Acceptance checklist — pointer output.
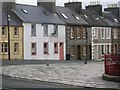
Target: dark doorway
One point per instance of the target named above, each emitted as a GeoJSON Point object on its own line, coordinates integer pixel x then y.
{"type": "Point", "coordinates": [90, 52]}
{"type": "Point", "coordinates": [78, 52]}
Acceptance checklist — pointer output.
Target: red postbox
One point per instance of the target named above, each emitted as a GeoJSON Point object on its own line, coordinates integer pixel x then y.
{"type": "Point", "coordinates": [112, 65]}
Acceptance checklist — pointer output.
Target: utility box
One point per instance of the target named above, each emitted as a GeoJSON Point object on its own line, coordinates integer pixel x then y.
{"type": "Point", "coordinates": [112, 64]}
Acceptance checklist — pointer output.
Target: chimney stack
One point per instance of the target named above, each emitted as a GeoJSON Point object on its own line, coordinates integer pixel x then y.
{"type": "Point", "coordinates": [96, 6]}
{"type": "Point", "coordinates": [50, 5]}
{"type": "Point", "coordinates": [114, 9]}
{"type": "Point", "coordinates": [76, 6]}
{"type": "Point", "coordinates": [7, 6]}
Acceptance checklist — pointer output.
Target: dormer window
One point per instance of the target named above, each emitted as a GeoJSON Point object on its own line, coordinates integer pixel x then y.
{"type": "Point", "coordinates": [76, 17]}
{"type": "Point", "coordinates": [85, 16]}
{"type": "Point", "coordinates": [64, 15]}
{"type": "Point", "coordinates": [45, 13]}
{"type": "Point", "coordinates": [25, 11]}
{"type": "Point", "coordinates": [115, 20]}
{"type": "Point", "coordinates": [96, 17]}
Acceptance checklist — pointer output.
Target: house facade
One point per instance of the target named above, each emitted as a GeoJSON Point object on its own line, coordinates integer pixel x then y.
{"type": "Point", "coordinates": [115, 31]}
{"type": "Point", "coordinates": [76, 31]}
{"type": "Point", "coordinates": [16, 36]}
{"type": "Point", "coordinates": [100, 31]}
{"type": "Point", "coordinates": [44, 33]}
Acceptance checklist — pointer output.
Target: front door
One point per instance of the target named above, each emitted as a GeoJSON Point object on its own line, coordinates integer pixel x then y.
{"type": "Point", "coordinates": [78, 52]}
{"type": "Point", "coordinates": [61, 51]}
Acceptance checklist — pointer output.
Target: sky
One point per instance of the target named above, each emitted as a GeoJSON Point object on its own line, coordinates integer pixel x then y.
{"type": "Point", "coordinates": [61, 2]}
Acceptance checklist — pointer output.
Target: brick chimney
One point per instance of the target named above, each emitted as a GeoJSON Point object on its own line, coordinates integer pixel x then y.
{"type": "Point", "coordinates": [96, 6]}
{"type": "Point", "coordinates": [76, 6]}
{"type": "Point", "coordinates": [114, 9]}
{"type": "Point", "coordinates": [50, 5]}
{"type": "Point", "coordinates": [7, 6]}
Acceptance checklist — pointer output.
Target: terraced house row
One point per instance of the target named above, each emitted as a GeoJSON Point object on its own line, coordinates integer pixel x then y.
{"type": "Point", "coordinates": [50, 32]}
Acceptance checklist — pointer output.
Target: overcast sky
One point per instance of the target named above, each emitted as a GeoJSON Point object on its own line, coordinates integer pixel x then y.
{"type": "Point", "coordinates": [61, 2]}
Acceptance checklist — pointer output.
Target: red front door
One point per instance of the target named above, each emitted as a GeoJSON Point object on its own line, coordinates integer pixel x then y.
{"type": "Point", "coordinates": [61, 54]}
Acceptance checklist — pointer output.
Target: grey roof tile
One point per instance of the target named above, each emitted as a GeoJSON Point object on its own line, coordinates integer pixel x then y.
{"type": "Point", "coordinates": [72, 17]}
{"type": "Point", "coordinates": [93, 18]}
{"type": "Point", "coordinates": [36, 14]}
{"type": "Point", "coordinates": [111, 19]}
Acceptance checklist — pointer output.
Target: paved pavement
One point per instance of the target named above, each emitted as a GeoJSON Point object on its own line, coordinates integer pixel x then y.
{"type": "Point", "coordinates": [12, 83]}
{"type": "Point", "coordinates": [74, 73]}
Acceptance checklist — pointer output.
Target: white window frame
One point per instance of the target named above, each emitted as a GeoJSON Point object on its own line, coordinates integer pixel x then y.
{"type": "Point", "coordinates": [15, 31]}
{"type": "Point", "coordinates": [46, 48]}
{"type": "Point", "coordinates": [16, 47]}
{"type": "Point", "coordinates": [56, 48]}
{"type": "Point", "coordinates": [78, 32]}
{"type": "Point", "coordinates": [84, 33]}
{"type": "Point", "coordinates": [33, 49]}
{"type": "Point", "coordinates": [102, 33]}
{"type": "Point", "coordinates": [108, 33]}
{"type": "Point", "coordinates": [3, 30]}
{"type": "Point", "coordinates": [108, 50]}
{"type": "Point", "coordinates": [56, 30]}
{"type": "Point", "coordinates": [72, 33]}
{"type": "Point", "coordinates": [115, 33]}
{"type": "Point", "coordinates": [3, 48]}
{"type": "Point", "coordinates": [33, 30]}
{"type": "Point", "coordinates": [102, 50]}
{"type": "Point", "coordinates": [95, 33]}
{"type": "Point", "coordinates": [45, 30]}
{"type": "Point", "coordinates": [84, 50]}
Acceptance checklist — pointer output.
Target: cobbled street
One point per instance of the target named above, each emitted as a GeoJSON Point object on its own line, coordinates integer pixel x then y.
{"type": "Point", "coordinates": [78, 74]}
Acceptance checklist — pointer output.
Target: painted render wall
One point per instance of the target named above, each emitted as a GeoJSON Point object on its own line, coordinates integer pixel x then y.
{"type": "Point", "coordinates": [40, 39]}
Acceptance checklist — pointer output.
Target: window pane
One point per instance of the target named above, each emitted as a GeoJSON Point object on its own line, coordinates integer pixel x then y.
{"type": "Point", "coordinates": [33, 48]}
{"type": "Point", "coordinates": [33, 30]}
{"type": "Point", "coordinates": [16, 47]}
{"type": "Point", "coordinates": [55, 47]}
{"type": "Point", "coordinates": [78, 33]}
{"type": "Point", "coordinates": [56, 30]}
{"type": "Point", "coordinates": [3, 30]}
{"type": "Point", "coordinates": [84, 33]}
{"type": "Point", "coordinates": [15, 31]}
{"type": "Point", "coordinates": [45, 28]}
{"type": "Point", "coordinates": [2, 48]}
{"type": "Point", "coordinates": [71, 33]}
{"type": "Point", "coordinates": [6, 47]}
{"type": "Point", "coordinates": [45, 48]}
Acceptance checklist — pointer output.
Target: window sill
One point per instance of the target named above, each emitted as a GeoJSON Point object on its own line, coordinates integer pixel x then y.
{"type": "Point", "coordinates": [16, 53]}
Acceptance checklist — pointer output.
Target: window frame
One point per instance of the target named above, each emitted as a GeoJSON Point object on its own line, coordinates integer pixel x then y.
{"type": "Point", "coordinates": [56, 48]}
{"type": "Point", "coordinates": [16, 32]}
{"type": "Point", "coordinates": [33, 49]}
{"type": "Point", "coordinates": [84, 33]}
{"type": "Point", "coordinates": [103, 33]}
{"type": "Point", "coordinates": [55, 30]}
{"type": "Point", "coordinates": [72, 34]}
{"type": "Point", "coordinates": [16, 47]}
{"type": "Point", "coordinates": [45, 30]}
{"type": "Point", "coordinates": [46, 48]}
{"type": "Point", "coordinates": [33, 30]}
{"type": "Point", "coordinates": [78, 33]}
{"type": "Point", "coordinates": [3, 30]}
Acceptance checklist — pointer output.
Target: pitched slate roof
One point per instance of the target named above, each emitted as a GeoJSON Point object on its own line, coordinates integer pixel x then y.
{"type": "Point", "coordinates": [111, 19]}
{"type": "Point", "coordinates": [36, 14]}
{"type": "Point", "coordinates": [70, 17]}
{"type": "Point", "coordinates": [93, 18]}
{"type": "Point", "coordinates": [14, 20]}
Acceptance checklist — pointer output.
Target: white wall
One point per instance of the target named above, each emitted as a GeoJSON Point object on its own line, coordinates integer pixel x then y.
{"type": "Point", "coordinates": [39, 39]}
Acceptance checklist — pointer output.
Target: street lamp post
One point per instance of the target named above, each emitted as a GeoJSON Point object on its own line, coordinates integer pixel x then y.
{"type": "Point", "coordinates": [8, 20]}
